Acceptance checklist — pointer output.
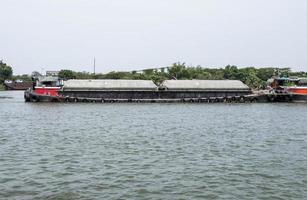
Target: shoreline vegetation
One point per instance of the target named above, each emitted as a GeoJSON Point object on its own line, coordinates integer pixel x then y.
{"type": "Point", "coordinates": [255, 78]}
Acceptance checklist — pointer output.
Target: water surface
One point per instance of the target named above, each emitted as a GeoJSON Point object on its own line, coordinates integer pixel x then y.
{"type": "Point", "coordinates": [151, 151]}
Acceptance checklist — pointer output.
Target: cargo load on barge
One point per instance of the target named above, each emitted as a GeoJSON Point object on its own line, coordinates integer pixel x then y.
{"type": "Point", "coordinates": [52, 90]}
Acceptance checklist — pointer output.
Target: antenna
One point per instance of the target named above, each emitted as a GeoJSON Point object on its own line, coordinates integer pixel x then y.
{"type": "Point", "coordinates": [94, 66]}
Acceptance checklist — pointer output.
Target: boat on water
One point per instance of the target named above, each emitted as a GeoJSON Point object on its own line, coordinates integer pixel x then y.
{"type": "Point", "coordinates": [16, 85]}
{"type": "Point", "coordinates": [44, 89]}
{"type": "Point", "coordinates": [52, 89]}
{"type": "Point", "coordinates": [294, 87]}
{"type": "Point", "coordinates": [300, 88]}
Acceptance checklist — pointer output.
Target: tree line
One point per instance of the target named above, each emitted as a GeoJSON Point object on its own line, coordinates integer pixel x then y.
{"type": "Point", "coordinates": [6, 73]}
{"type": "Point", "coordinates": [254, 77]}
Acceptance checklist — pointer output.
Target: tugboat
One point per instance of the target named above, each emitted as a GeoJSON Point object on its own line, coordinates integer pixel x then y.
{"type": "Point", "coordinates": [300, 88]}
{"type": "Point", "coordinates": [44, 89]}
{"type": "Point", "coordinates": [293, 87]}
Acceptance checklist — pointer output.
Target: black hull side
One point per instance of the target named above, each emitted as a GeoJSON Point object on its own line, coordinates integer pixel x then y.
{"type": "Point", "coordinates": [299, 98]}
{"type": "Point", "coordinates": [152, 94]}
{"type": "Point", "coordinates": [163, 96]}
{"type": "Point", "coordinates": [30, 96]}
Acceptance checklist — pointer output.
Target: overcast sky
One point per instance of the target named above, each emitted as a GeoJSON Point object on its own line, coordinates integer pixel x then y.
{"type": "Point", "coordinates": [136, 34]}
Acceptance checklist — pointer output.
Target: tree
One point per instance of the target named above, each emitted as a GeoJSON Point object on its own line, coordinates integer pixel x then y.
{"type": "Point", "coordinates": [253, 77]}
{"type": "Point", "coordinates": [115, 75]}
{"type": "Point", "coordinates": [203, 76]}
{"type": "Point", "coordinates": [67, 74]}
{"type": "Point", "coordinates": [23, 77]}
{"type": "Point", "coordinates": [148, 72]}
{"type": "Point", "coordinates": [6, 72]}
{"type": "Point", "coordinates": [175, 71]}
{"type": "Point", "coordinates": [249, 77]}
{"type": "Point", "coordinates": [283, 72]}
{"type": "Point", "coordinates": [158, 77]}
{"type": "Point", "coordinates": [231, 72]}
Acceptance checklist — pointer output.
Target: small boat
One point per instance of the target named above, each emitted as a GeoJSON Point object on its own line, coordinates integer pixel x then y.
{"type": "Point", "coordinates": [293, 86]}
{"type": "Point", "coordinates": [300, 87]}
{"type": "Point", "coordinates": [301, 90]}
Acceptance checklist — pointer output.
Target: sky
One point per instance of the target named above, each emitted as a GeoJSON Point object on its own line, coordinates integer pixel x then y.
{"type": "Point", "coordinates": [125, 35]}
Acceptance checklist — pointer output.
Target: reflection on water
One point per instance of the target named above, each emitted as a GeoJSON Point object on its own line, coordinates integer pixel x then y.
{"type": "Point", "coordinates": [157, 151]}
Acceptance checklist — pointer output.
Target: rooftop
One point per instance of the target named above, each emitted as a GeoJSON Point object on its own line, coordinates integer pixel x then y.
{"type": "Point", "coordinates": [48, 79]}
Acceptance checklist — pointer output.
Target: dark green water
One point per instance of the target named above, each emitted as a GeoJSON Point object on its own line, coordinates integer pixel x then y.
{"type": "Point", "coordinates": [152, 151]}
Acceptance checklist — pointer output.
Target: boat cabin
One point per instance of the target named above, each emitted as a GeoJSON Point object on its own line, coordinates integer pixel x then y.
{"type": "Point", "coordinates": [288, 85]}
{"type": "Point", "coordinates": [48, 86]}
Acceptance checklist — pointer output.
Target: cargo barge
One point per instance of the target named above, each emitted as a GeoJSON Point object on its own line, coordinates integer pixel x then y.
{"type": "Point", "coordinates": [51, 89]}
{"type": "Point", "coordinates": [17, 85]}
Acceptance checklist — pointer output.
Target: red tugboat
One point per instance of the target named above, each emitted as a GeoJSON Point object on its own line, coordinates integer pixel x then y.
{"type": "Point", "coordinates": [294, 87]}
{"type": "Point", "coordinates": [300, 88]}
{"type": "Point", "coordinates": [45, 89]}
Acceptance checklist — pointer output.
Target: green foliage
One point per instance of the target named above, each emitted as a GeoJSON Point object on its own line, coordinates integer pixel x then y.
{"type": "Point", "coordinates": [178, 71]}
{"type": "Point", "coordinates": [299, 74]}
{"type": "Point", "coordinates": [266, 73]}
{"type": "Point", "coordinates": [24, 77]}
{"type": "Point", "coordinates": [2, 87]}
{"type": "Point", "coordinates": [67, 74]}
{"type": "Point", "coordinates": [253, 77]}
{"type": "Point", "coordinates": [249, 77]}
{"type": "Point", "coordinates": [158, 77]}
{"type": "Point", "coordinates": [289, 84]}
{"type": "Point", "coordinates": [231, 72]}
{"type": "Point", "coordinates": [6, 72]}
{"type": "Point", "coordinates": [118, 75]}
{"type": "Point", "coordinates": [283, 72]}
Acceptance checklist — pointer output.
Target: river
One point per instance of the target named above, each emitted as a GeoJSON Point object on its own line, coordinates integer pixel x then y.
{"type": "Point", "coordinates": [151, 151]}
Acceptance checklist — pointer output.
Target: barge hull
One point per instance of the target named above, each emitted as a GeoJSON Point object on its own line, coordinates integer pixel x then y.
{"type": "Point", "coordinates": [297, 98]}
{"type": "Point", "coordinates": [31, 96]}
{"type": "Point", "coordinates": [118, 95]}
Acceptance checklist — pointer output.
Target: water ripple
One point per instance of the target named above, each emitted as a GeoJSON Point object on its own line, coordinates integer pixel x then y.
{"type": "Point", "coordinates": [152, 151]}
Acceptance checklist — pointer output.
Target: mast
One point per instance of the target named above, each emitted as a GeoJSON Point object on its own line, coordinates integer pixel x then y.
{"type": "Point", "coordinates": [94, 66]}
